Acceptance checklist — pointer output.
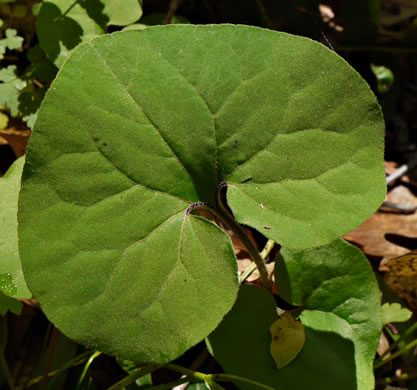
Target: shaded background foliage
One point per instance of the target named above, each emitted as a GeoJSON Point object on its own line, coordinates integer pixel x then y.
{"type": "Point", "coordinates": [378, 38]}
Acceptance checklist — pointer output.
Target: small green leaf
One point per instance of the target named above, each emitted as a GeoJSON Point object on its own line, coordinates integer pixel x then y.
{"type": "Point", "coordinates": [10, 87]}
{"type": "Point", "coordinates": [122, 12]}
{"type": "Point", "coordinates": [394, 312]}
{"type": "Point", "coordinates": [12, 41]}
{"type": "Point", "coordinates": [288, 338]}
{"type": "Point", "coordinates": [384, 76]}
{"type": "Point", "coordinates": [9, 252]}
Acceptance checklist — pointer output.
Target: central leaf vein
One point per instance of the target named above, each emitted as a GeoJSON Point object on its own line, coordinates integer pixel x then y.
{"type": "Point", "coordinates": [212, 115]}
{"type": "Point", "coordinates": [136, 103]}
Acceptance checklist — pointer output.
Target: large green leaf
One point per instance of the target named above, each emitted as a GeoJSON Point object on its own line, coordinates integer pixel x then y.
{"type": "Point", "coordinates": [338, 291]}
{"type": "Point", "coordinates": [9, 251]}
{"type": "Point", "coordinates": [138, 126]}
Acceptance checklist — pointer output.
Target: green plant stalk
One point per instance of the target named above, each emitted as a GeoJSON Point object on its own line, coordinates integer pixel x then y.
{"type": "Point", "coordinates": [229, 378]}
{"type": "Point", "coordinates": [250, 246]}
{"type": "Point", "coordinates": [210, 378]}
{"type": "Point", "coordinates": [136, 375]}
{"type": "Point", "coordinates": [196, 375]}
{"type": "Point", "coordinates": [240, 233]}
{"type": "Point", "coordinates": [215, 386]}
{"type": "Point", "coordinates": [396, 354]}
{"type": "Point", "coordinates": [264, 254]}
{"type": "Point", "coordinates": [221, 213]}
{"type": "Point", "coordinates": [73, 362]}
{"type": "Point", "coordinates": [86, 367]}
{"type": "Point", "coordinates": [170, 385]}
{"type": "Point", "coordinates": [410, 330]}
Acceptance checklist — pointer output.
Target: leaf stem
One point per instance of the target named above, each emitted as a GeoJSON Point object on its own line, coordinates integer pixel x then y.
{"type": "Point", "coordinates": [135, 375]}
{"type": "Point", "coordinates": [264, 254]}
{"type": "Point", "coordinates": [228, 378]}
{"type": "Point", "coordinates": [250, 246]}
{"type": "Point", "coordinates": [173, 6]}
{"type": "Point", "coordinates": [212, 378]}
{"type": "Point", "coordinates": [86, 367]}
{"type": "Point", "coordinates": [410, 330]}
{"type": "Point", "coordinates": [170, 385]}
{"type": "Point", "coordinates": [396, 354]}
{"type": "Point", "coordinates": [186, 371]}
{"type": "Point", "coordinates": [221, 213]}
{"type": "Point", "coordinates": [240, 233]}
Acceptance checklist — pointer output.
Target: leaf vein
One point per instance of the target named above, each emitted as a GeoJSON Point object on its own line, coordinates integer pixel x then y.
{"type": "Point", "coordinates": [136, 103]}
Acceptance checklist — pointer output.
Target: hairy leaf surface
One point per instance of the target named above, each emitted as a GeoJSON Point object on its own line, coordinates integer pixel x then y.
{"type": "Point", "coordinates": [138, 126]}
{"type": "Point", "coordinates": [9, 251]}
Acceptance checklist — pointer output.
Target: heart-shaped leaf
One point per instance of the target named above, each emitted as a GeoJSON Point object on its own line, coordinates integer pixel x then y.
{"type": "Point", "coordinates": [337, 279]}
{"type": "Point", "coordinates": [337, 288]}
{"type": "Point", "coordinates": [138, 126]}
{"type": "Point", "coordinates": [241, 345]}
{"type": "Point", "coordinates": [9, 252]}
{"type": "Point", "coordinates": [61, 25]}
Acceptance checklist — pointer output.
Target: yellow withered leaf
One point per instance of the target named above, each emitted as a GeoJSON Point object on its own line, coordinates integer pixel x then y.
{"type": "Point", "coordinates": [288, 338]}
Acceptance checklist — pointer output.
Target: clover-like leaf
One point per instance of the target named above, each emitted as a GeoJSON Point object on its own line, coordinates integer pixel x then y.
{"type": "Point", "coordinates": [11, 41]}
{"type": "Point", "coordinates": [394, 312]}
{"type": "Point", "coordinates": [139, 126]}
{"type": "Point", "coordinates": [11, 273]}
{"type": "Point", "coordinates": [10, 87]}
